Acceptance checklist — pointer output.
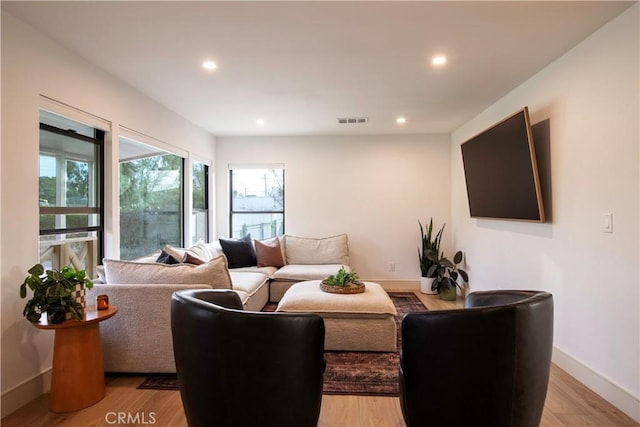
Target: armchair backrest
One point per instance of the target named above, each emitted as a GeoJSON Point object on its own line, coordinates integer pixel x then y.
{"type": "Point", "coordinates": [485, 365]}
{"type": "Point", "coordinates": [241, 368]}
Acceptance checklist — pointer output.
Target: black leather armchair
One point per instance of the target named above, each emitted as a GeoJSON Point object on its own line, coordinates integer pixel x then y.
{"type": "Point", "coordinates": [485, 365]}
{"type": "Point", "coordinates": [241, 368]}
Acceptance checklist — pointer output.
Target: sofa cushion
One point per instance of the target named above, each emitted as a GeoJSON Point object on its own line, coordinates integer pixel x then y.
{"type": "Point", "coordinates": [215, 249]}
{"type": "Point", "coordinates": [246, 282]}
{"type": "Point", "coordinates": [267, 271]}
{"type": "Point", "coordinates": [213, 273]}
{"type": "Point", "coordinates": [300, 272]}
{"type": "Point", "coordinates": [243, 296]}
{"type": "Point", "coordinates": [269, 253]}
{"type": "Point", "coordinates": [165, 258]}
{"type": "Point", "coordinates": [192, 259]}
{"type": "Point", "coordinates": [199, 251]}
{"type": "Point", "coordinates": [239, 252]}
{"type": "Point", "coordinates": [305, 250]}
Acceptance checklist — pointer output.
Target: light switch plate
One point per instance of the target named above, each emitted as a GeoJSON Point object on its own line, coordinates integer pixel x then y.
{"type": "Point", "coordinates": [607, 222]}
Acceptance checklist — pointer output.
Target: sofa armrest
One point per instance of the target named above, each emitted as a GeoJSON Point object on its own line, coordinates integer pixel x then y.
{"type": "Point", "coordinates": [138, 337]}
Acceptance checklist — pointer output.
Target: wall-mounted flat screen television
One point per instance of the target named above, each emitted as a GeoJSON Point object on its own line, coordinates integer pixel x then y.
{"type": "Point", "coordinates": [501, 171]}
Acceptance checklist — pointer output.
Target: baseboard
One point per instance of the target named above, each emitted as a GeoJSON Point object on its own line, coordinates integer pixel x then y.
{"type": "Point", "coordinates": [23, 393]}
{"type": "Point", "coordinates": [622, 399]}
{"type": "Point", "coordinates": [398, 285]}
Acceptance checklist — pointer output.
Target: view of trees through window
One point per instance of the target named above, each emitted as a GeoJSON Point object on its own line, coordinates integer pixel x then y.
{"type": "Point", "coordinates": [76, 192]}
{"type": "Point", "coordinates": [150, 203]}
{"type": "Point", "coordinates": [257, 202]}
{"type": "Point", "coordinates": [70, 194]}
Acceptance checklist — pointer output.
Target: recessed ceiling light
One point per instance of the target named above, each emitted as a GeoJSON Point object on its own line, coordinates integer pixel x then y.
{"type": "Point", "coordinates": [209, 65]}
{"type": "Point", "coordinates": [439, 60]}
{"type": "Point", "coordinates": [401, 120]}
{"type": "Point", "coordinates": [260, 121]}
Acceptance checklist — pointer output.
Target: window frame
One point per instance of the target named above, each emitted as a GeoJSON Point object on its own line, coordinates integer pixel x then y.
{"type": "Point", "coordinates": [165, 149]}
{"type": "Point", "coordinates": [207, 200]}
{"type": "Point", "coordinates": [233, 212]}
{"type": "Point", "coordinates": [99, 141]}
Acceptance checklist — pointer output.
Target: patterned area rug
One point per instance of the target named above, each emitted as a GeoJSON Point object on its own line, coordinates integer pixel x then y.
{"type": "Point", "coordinates": [347, 372]}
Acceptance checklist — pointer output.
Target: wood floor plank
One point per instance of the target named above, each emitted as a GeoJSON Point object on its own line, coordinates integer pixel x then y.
{"type": "Point", "coordinates": [380, 411]}
{"type": "Point", "coordinates": [339, 411]}
{"type": "Point", "coordinates": [549, 419]}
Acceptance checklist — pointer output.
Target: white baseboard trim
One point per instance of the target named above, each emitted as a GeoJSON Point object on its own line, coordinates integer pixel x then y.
{"type": "Point", "coordinates": [23, 393]}
{"type": "Point", "coordinates": [619, 397]}
{"type": "Point", "coordinates": [398, 285]}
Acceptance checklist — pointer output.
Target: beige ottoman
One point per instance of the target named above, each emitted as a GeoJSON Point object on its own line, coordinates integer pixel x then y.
{"type": "Point", "coordinates": [353, 322]}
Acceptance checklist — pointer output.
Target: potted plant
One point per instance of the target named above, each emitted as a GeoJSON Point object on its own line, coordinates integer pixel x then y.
{"type": "Point", "coordinates": [446, 274]}
{"type": "Point", "coordinates": [54, 293]}
{"type": "Point", "coordinates": [343, 282]}
{"type": "Point", "coordinates": [429, 243]}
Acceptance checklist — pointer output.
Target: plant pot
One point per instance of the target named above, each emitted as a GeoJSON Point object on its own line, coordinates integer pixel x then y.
{"type": "Point", "coordinates": [425, 285]}
{"type": "Point", "coordinates": [58, 317]}
{"type": "Point", "coordinates": [448, 294]}
{"type": "Point", "coordinates": [80, 293]}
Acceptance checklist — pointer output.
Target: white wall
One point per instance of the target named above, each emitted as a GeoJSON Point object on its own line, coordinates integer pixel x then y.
{"type": "Point", "coordinates": [374, 188]}
{"type": "Point", "coordinates": [33, 65]}
{"type": "Point", "coordinates": [590, 95]}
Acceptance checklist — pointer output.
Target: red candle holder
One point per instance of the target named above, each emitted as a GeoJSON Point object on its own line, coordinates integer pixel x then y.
{"type": "Point", "coordinates": [102, 301]}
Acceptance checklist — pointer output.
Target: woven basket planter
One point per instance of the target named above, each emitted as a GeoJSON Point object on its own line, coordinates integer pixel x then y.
{"type": "Point", "coordinates": [349, 288]}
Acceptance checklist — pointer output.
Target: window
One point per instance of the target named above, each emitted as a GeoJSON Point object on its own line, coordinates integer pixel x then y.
{"type": "Point", "coordinates": [257, 202]}
{"type": "Point", "coordinates": [200, 210]}
{"type": "Point", "coordinates": [70, 193]}
{"type": "Point", "coordinates": [151, 187]}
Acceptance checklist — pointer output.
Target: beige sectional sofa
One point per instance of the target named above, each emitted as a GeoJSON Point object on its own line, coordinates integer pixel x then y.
{"type": "Point", "coordinates": [138, 337]}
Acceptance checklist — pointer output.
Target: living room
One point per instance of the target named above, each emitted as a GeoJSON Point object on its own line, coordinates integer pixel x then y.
{"type": "Point", "coordinates": [382, 184]}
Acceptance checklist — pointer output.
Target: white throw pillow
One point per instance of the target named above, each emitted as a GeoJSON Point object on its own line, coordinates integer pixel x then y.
{"type": "Point", "coordinates": [306, 251]}
{"type": "Point", "coordinates": [213, 273]}
{"type": "Point", "coordinates": [199, 250]}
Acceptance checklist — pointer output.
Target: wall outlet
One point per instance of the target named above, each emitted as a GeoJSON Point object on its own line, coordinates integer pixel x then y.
{"type": "Point", "coordinates": [392, 267]}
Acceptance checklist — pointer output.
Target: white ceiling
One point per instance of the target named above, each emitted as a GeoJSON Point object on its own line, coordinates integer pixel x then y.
{"type": "Point", "coordinates": [302, 65]}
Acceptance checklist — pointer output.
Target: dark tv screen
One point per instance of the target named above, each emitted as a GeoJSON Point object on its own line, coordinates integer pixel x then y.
{"type": "Point", "coordinates": [501, 171]}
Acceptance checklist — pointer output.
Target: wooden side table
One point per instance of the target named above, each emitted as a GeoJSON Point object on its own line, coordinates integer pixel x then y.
{"type": "Point", "coordinates": [78, 369]}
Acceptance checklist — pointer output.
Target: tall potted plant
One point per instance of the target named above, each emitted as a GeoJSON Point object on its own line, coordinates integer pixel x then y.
{"type": "Point", "coordinates": [54, 293]}
{"type": "Point", "coordinates": [446, 274]}
{"type": "Point", "coordinates": [429, 242]}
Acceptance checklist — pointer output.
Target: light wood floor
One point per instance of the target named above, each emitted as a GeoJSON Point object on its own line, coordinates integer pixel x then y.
{"type": "Point", "coordinates": [568, 403]}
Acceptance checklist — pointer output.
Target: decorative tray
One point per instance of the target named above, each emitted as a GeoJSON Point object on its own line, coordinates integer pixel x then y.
{"type": "Point", "coordinates": [350, 288]}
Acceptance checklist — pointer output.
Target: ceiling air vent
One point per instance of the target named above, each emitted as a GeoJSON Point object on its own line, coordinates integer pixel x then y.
{"type": "Point", "coordinates": [352, 120]}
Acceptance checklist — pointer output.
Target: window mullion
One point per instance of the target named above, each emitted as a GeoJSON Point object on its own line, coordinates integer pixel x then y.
{"type": "Point", "coordinates": [61, 189]}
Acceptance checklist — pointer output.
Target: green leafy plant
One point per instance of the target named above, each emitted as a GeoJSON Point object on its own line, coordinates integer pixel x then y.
{"type": "Point", "coordinates": [53, 293]}
{"type": "Point", "coordinates": [446, 273]}
{"type": "Point", "coordinates": [342, 278]}
{"type": "Point", "coordinates": [429, 243]}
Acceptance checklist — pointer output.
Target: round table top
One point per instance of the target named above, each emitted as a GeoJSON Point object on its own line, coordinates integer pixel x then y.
{"type": "Point", "coordinates": [91, 315]}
